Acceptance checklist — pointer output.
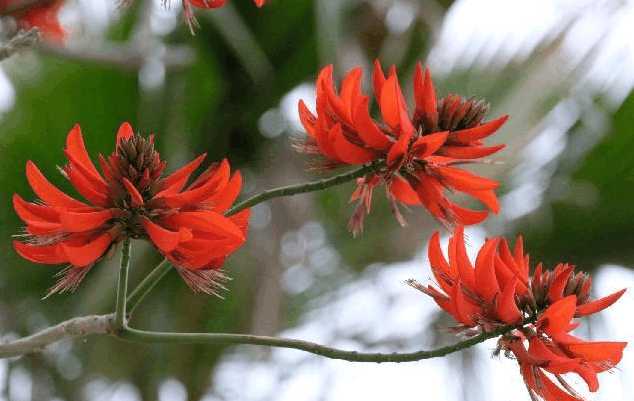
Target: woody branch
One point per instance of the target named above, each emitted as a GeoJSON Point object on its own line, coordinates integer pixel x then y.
{"type": "Point", "coordinates": [105, 325]}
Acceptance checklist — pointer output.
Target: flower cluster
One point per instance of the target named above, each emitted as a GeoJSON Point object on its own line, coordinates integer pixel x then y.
{"type": "Point", "coordinates": [497, 290]}
{"type": "Point", "coordinates": [43, 16]}
{"type": "Point", "coordinates": [132, 198]}
{"type": "Point", "coordinates": [420, 151]}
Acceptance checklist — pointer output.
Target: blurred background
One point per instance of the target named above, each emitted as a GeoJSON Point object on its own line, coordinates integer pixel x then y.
{"type": "Point", "coordinates": [563, 70]}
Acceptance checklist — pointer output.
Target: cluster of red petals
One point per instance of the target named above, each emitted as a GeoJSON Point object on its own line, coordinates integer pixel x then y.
{"type": "Point", "coordinates": [497, 290]}
{"type": "Point", "coordinates": [131, 198]}
{"type": "Point", "coordinates": [43, 16]}
{"type": "Point", "coordinates": [421, 150]}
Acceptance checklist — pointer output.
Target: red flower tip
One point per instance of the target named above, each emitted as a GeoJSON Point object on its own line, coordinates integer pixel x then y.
{"type": "Point", "coordinates": [421, 151]}
{"type": "Point", "coordinates": [131, 198]}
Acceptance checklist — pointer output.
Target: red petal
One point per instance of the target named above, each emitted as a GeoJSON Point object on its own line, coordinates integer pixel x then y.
{"type": "Point", "coordinates": [469, 152]}
{"type": "Point", "coordinates": [398, 150]}
{"type": "Point", "coordinates": [241, 219]}
{"type": "Point", "coordinates": [550, 391]}
{"type": "Point", "coordinates": [461, 259]}
{"type": "Point", "coordinates": [351, 90]}
{"type": "Point", "coordinates": [125, 132]}
{"type": "Point", "coordinates": [465, 311]}
{"type": "Point", "coordinates": [347, 151]}
{"type": "Point", "coordinates": [47, 191]}
{"type": "Point", "coordinates": [598, 305]}
{"type": "Point", "coordinates": [425, 96]}
{"type": "Point", "coordinates": [164, 239]}
{"type": "Point", "coordinates": [44, 254]}
{"type": "Point", "coordinates": [378, 79]}
{"type": "Point", "coordinates": [225, 198]}
{"type": "Point", "coordinates": [476, 133]}
{"type": "Point", "coordinates": [604, 355]}
{"type": "Point", "coordinates": [507, 309]}
{"type": "Point", "coordinates": [86, 187]}
{"type": "Point", "coordinates": [439, 265]}
{"type": "Point", "coordinates": [485, 281]}
{"type": "Point", "coordinates": [557, 287]}
{"type": "Point", "coordinates": [206, 221]}
{"type": "Point", "coordinates": [135, 196]}
{"type": "Point", "coordinates": [465, 216]}
{"type": "Point", "coordinates": [33, 213]}
{"type": "Point", "coordinates": [393, 109]}
{"type": "Point", "coordinates": [427, 145]}
{"type": "Point", "coordinates": [307, 118]}
{"type": "Point", "coordinates": [556, 318]}
{"type": "Point", "coordinates": [367, 129]}
{"type": "Point", "coordinates": [403, 191]}
{"type": "Point", "coordinates": [76, 149]}
{"type": "Point", "coordinates": [177, 180]}
{"type": "Point", "coordinates": [78, 222]}
{"type": "Point", "coordinates": [87, 254]}
{"type": "Point", "coordinates": [463, 180]}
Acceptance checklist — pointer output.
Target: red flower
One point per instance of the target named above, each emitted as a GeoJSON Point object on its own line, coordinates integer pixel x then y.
{"type": "Point", "coordinates": [420, 150]}
{"type": "Point", "coordinates": [208, 4]}
{"type": "Point", "coordinates": [43, 16]}
{"type": "Point", "coordinates": [497, 291]}
{"type": "Point", "coordinates": [132, 199]}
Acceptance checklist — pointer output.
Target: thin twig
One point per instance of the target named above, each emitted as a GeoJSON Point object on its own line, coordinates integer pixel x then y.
{"type": "Point", "coordinates": [142, 336]}
{"type": "Point", "coordinates": [21, 41]}
{"type": "Point", "coordinates": [148, 283]}
{"type": "Point", "coordinates": [73, 328]}
{"type": "Point", "coordinates": [303, 188]}
{"type": "Point", "coordinates": [122, 286]}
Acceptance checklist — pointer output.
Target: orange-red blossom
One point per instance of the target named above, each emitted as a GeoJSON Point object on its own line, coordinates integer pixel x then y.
{"type": "Point", "coordinates": [498, 290]}
{"type": "Point", "coordinates": [131, 198]}
{"type": "Point", "coordinates": [423, 150]}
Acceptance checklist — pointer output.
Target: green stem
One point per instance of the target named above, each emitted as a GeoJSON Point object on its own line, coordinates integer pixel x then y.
{"type": "Point", "coordinates": [148, 283]}
{"type": "Point", "coordinates": [122, 286]}
{"type": "Point", "coordinates": [159, 272]}
{"type": "Point", "coordinates": [303, 188]}
{"type": "Point", "coordinates": [143, 336]}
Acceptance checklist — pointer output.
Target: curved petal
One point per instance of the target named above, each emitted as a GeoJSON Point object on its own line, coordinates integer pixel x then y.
{"type": "Point", "coordinates": [598, 305]}
{"type": "Point", "coordinates": [348, 152]}
{"type": "Point", "coordinates": [223, 200]}
{"type": "Point", "coordinates": [427, 145]}
{"type": "Point", "coordinates": [76, 222]}
{"type": "Point", "coordinates": [476, 133]}
{"type": "Point", "coordinates": [401, 189]}
{"type": "Point", "coordinates": [43, 254]}
{"type": "Point", "coordinates": [177, 180]}
{"type": "Point", "coordinates": [88, 253]}
{"type": "Point", "coordinates": [367, 129]}
{"type": "Point", "coordinates": [46, 191]}
{"type": "Point", "coordinates": [507, 309]}
{"type": "Point", "coordinates": [463, 180]}
{"type": "Point", "coordinates": [469, 152]}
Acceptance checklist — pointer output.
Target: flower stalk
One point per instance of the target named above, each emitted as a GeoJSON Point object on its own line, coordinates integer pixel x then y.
{"type": "Point", "coordinates": [122, 287]}
{"type": "Point", "coordinates": [313, 186]}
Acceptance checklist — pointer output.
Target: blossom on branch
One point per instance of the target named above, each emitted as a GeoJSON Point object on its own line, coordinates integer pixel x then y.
{"type": "Point", "coordinates": [42, 15]}
{"type": "Point", "coordinates": [422, 151]}
{"type": "Point", "coordinates": [131, 198]}
{"type": "Point", "coordinates": [498, 290]}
